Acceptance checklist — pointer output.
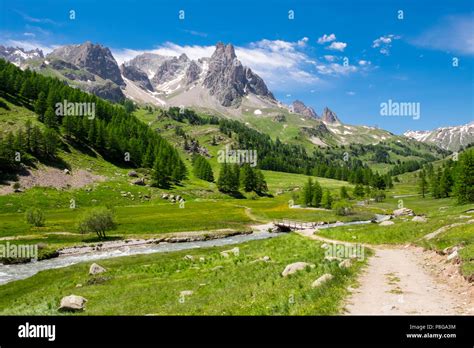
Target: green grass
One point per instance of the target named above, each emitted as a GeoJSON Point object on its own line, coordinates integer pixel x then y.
{"type": "Point", "coordinates": [404, 230]}
{"type": "Point", "coordinates": [151, 284]}
{"type": "Point", "coordinates": [15, 117]}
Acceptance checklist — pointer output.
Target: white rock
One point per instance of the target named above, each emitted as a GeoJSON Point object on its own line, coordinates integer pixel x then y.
{"type": "Point", "coordinates": [453, 255]}
{"type": "Point", "coordinates": [403, 211]}
{"type": "Point", "coordinates": [295, 267]}
{"type": "Point", "coordinates": [96, 269]}
{"type": "Point", "coordinates": [235, 251]}
{"type": "Point", "coordinates": [419, 219]}
{"type": "Point", "coordinates": [321, 280]}
{"type": "Point", "coordinates": [186, 293]}
{"type": "Point", "coordinates": [386, 223]}
{"type": "Point", "coordinates": [72, 303]}
{"type": "Point", "coordinates": [189, 257]}
{"type": "Point", "coordinates": [345, 264]}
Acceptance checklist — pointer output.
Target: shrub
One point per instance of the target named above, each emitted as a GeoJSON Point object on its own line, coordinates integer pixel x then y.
{"type": "Point", "coordinates": [98, 220]}
{"type": "Point", "coordinates": [35, 217]}
{"type": "Point", "coordinates": [378, 195]}
{"type": "Point", "coordinates": [342, 208]}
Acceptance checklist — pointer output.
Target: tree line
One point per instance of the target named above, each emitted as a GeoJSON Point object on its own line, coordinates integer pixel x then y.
{"type": "Point", "coordinates": [113, 131]}
{"type": "Point", "coordinates": [232, 177]}
{"type": "Point", "coordinates": [452, 179]}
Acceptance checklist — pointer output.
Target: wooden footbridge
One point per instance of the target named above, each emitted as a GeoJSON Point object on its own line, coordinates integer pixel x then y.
{"type": "Point", "coordinates": [291, 225]}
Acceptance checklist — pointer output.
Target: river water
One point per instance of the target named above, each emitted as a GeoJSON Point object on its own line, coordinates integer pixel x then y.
{"type": "Point", "coordinates": [9, 273]}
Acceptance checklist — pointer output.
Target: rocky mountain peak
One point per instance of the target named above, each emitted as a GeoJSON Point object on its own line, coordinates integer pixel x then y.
{"type": "Point", "coordinates": [183, 58]}
{"type": "Point", "coordinates": [192, 72]}
{"type": "Point", "coordinates": [229, 81]}
{"type": "Point", "coordinates": [300, 108]}
{"type": "Point", "coordinates": [134, 74]}
{"type": "Point", "coordinates": [95, 58]}
{"type": "Point", "coordinates": [329, 116]}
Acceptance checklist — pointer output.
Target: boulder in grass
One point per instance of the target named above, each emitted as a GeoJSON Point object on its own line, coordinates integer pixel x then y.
{"type": "Point", "coordinates": [189, 257]}
{"type": "Point", "coordinates": [295, 267]}
{"type": "Point", "coordinates": [96, 269]}
{"type": "Point", "coordinates": [345, 264]}
{"type": "Point", "coordinates": [139, 182]}
{"type": "Point", "coordinates": [132, 174]}
{"type": "Point", "coordinates": [72, 303]}
{"type": "Point", "coordinates": [262, 259]}
{"type": "Point", "coordinates": [321, 280]}
{"type": "Point", "coordinates": [419, 219]}
{"type": "Point", "coordinates": [235, 251]}
{"type": "Point", "coordinates": [403, 212]}
{"type": "Point", "coordinates": [386, 223]}
{"type": "Point", "coordinates": [186, 293]}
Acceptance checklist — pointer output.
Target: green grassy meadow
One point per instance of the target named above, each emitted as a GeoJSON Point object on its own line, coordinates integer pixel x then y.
{"type": "Point", "coordinates": [152, 284]}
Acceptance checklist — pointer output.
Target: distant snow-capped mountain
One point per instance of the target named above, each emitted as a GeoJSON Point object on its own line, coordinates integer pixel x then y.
{"type": "Point", "coordinates": [449, 138]}
{"type": "Point", "coordinates": [18, 55]}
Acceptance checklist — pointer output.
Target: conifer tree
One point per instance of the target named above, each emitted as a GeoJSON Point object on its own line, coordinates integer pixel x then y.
{"type": "Point", "coordinates": [248, 178]}
{"type": "Point", "coordinates": [317, 194]}
{"type": "Point", "coordinates": [40, 106]}
{"type": "Point", "coordinates": [50, 118]}
{"type": "Point", "coordinates": [308, 192]}
{"type": "Point", "coordinates": [464, 183]}
{"type": "Point", "coordinates": [326, 200]}
{"type": "Point", "coordinates": [422, 183]}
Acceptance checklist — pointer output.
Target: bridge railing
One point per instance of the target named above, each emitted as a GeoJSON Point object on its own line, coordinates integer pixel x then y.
{"type": "Point", "coordinates": [293, 224]}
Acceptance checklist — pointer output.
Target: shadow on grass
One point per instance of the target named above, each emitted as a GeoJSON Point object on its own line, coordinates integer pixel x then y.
{"type": "Point", "coordinates": [17, 100]}
{"type": "Point", "coordinates": [99, 240]}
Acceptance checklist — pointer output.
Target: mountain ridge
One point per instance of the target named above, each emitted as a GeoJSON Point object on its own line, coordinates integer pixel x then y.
{"type": "Point", "coordinates": [450, 138]}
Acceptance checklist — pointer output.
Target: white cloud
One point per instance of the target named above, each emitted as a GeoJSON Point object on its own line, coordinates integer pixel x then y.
{"type": "Point", "coordinates": [351, 93]}
{"type": "Point", "coordinates": [29, 34]}
{"type": "Point", "coordinates": [31, 19]}
{"type": "Point", "coordinates": [337, 46]}
{"type": "Point", "coordinates": [336, 69]}
{"type": "Point", "coordinates": [452, 34]}
{"type": "Point", "coordinates": [303, 41]}
{"type": "Point", "coordinates": [330, 58]}
{"type": "Point", "coordinates": [167, 49]}
{"type": "Point", "coordinates": [385, 51]}
{"type": "Point", "coordinates": [192, 51]}
{"type": "Point", "coordinates": [195, 33]}
{"type": "Point", "coordinates": [326, 38]}
{"type": "Point", "coordinates": [384, 43]}
{"type": "Point", "coordinates": [363, 62]}
{"type": "Point", "coordinates": [31, 45]}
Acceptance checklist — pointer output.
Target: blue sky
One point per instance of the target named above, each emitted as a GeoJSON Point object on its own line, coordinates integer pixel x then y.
{"type": "Point", "coordinates": [405, 60]}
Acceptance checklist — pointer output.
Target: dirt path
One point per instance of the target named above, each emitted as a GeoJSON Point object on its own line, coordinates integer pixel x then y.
{"type": "Point", "coordinates": [407, 280]}
{"type": "Point", "coordinates": [52, 177]}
